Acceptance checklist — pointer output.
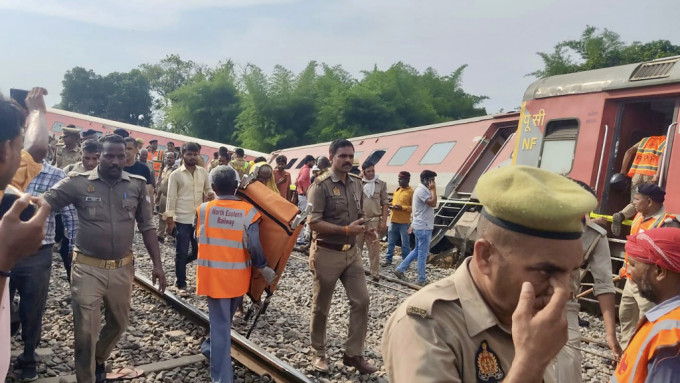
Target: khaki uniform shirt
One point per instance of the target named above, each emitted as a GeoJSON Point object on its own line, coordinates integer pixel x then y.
{"type": "Point", "coordinates": [373, 205]}
{"type": "Point", "coordinates": [446, 333]}
{"type": "Point", "coordinates": [240, 165]}
{"type": "Point", "coordinates": [335, 202]}
{"type": "Point", "coordinates": [598, 261]}
{"type": "Point", "coordinates": [77, 167]}
{"type": "Point", "coordinates": [106, 213]}
{"type": "Point", "coordinates": [66, 157]}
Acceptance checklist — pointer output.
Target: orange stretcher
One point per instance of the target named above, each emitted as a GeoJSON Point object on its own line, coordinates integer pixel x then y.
{"type": "Point", "coordinates": [280, 226]}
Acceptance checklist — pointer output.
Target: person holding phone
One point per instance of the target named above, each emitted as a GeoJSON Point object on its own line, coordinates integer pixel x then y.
{"type": "Point", "coordinates": [336, 220]}
{"type": "Point", "coordinates": [424, 202]}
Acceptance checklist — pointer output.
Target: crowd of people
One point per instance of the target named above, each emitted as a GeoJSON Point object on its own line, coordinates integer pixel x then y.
{"type": "Point", "coordinates": [509, 313]}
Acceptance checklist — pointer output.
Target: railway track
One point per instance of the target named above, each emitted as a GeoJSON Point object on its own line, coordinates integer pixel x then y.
{"type": "Point", "coordinates": [244, 351]}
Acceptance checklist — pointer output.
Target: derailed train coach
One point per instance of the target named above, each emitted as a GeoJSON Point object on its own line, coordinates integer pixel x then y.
{"type": "Point", "coordinates": [57, 119]}
{"type": "Point", "coordinates": [581, 125]}
{"type": "Point", "coordinates": [459, 151]}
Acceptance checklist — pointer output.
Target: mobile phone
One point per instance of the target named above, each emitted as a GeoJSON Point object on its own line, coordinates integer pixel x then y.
{"type": "Point", "coordinates": [19, 95]}
{"type": "Point", "coordinates": [7, 202]}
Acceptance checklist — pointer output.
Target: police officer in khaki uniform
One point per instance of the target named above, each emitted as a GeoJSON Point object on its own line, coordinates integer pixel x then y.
{"type": "Point", "coordinates": [597, 259]}
{"type": "Point", "coordinates": [70, 152]}
{"type": "Point", "coordinates": [336, 220]}
{"type": "Point", "coordinates": [108, 201]}
{"type": "Point", "coordinates": [502, 315]}
{"type": "Point", "coordinates": [376, 209]}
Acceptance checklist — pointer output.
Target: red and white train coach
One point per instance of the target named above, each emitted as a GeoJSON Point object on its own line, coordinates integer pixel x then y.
{"type": "Point", "coordinates": [57, 119]}
{"type": "Point", "coordinates": [451, 149]}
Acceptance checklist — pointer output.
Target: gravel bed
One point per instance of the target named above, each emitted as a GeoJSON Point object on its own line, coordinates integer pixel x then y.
{"type": "Point", "coordinates": [148, 339]}
{"type": "Point", "coordinates": [284, 329]}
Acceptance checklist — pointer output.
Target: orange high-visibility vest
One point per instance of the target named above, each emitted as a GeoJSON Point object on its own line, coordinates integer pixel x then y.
{"type": "Point", "coordinates": [648, 339]}
{"type": "Point", "coordinates": [640, 225]}
{"type": "Point", "coordinates": [157, 161]}
{"type": "Point", "coordinates": [647, 156]}
{"type": "Point", "coordinates": [223, 265]}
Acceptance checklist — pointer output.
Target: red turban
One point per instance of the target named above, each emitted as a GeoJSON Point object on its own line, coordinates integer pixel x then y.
{"type": "Point", "coordinates": [656, 246]}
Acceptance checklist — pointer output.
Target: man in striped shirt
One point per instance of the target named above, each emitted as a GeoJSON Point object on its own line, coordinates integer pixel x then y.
{"type": "Point", "coordinates": [31, 275]}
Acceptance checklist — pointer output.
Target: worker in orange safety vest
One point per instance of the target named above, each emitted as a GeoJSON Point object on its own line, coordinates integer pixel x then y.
{"type": "Point", "coordinates": [646, 157]}
{"type": "Point", "coordinates": [227, 231]}
{"type": "Point", "coordinates": [652, 354]}
{"type": "Point", "coordinates": [648, 202]}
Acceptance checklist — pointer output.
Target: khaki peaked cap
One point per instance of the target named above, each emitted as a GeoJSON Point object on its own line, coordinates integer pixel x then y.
{"type": "Point", "coordinates": [534, 201]}
{"type": "Point", "coordinates": [70, 131]}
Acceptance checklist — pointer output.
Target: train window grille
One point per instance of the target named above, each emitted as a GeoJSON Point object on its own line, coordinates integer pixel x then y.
{"type": "Point", "coordinates": [290, 163]}
{"type": "Point", "coordinates": [375, 157]}
{"type": "Point", "coordinates": [652, 70]}
{"type": "Point", "coordinates": [437, 153]}
{"type": "Point", "coordinates": [559, 145]}
{"type": "Point", "coordinates": [402, 155]}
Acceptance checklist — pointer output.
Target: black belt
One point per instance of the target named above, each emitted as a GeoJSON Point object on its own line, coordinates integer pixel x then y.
{"type": "Point", "coordinates": [335, 246]}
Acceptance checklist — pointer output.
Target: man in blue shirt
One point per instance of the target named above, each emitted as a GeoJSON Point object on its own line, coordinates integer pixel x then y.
{"type": "Point", "coordinates": [424, 202]}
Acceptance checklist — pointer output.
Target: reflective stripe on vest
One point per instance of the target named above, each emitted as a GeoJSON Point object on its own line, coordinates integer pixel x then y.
{"type": "Point", "coordinates": [639, 226]}
{"type": "Point", "coordinates": [647, 157]}
{"type": "Point", "coordinates": [648, 338]}
{"type": "Point", "coordinates": [221, 229]}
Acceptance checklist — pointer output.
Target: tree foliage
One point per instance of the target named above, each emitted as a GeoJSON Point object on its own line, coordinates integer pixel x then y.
{"type": "Point", "coordinates": [600, 49]}
{"type": "Point", "coordinates": [264, 111]}
{"type": "Point", "coordinates": [117, 96]}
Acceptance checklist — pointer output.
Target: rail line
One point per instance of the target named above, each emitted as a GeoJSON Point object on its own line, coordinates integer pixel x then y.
{"type": "Point", "coordinates": [250, 355]}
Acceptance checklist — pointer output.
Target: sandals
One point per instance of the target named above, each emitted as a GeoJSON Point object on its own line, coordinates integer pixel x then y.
{"type": "Point", "coordinates": [124, 373]}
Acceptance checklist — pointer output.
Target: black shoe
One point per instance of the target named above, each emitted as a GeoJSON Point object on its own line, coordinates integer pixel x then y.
{"type": "Point", "coordinates": [161, 239]}
{"type": "Point", "coordinates": [100, 373]}
{"type": "Point", "coordinates": [29, 374]}
{"type": "Point", "coordinates": [386, 263]}
{"type": "Point", "coordinates": [583, 322]}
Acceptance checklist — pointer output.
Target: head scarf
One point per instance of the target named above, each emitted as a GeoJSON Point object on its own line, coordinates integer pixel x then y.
{"type": "Point", "coordinates": [656, 246]}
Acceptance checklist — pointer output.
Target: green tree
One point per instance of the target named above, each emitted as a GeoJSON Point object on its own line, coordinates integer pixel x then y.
{"type": "Point", "coordinates": [118, 96]}
{"type": "Point", "coordinates": [206, 108]}
{"type": "Point", "coordinates": [129, 99]}
{"type": "Point", "coordinates": [600, 49]}
{"type": "Point", "coordinates": [84, 92]}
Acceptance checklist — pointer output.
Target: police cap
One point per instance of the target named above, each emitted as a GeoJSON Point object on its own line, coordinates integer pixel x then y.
{"type": "Point", "coordinates": [153, 140]}
{"type": "Point", "coordinates": [534, 201]}
{"type": "Point", "coordinates": [70, 132]}
{"type": "Point", "coordinates": [88, 132]}
{"type": "Point", "coordinates": [653, 191]}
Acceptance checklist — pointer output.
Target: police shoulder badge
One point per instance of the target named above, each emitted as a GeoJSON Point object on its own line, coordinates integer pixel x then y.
{"type": "Point", "coordinates": [487, 365]}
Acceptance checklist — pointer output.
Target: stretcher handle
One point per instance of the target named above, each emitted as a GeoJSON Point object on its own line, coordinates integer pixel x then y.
{"type": "Point", "coordinates": [261, 311]}
{"type": "Point", "coordinates": [590, 290]}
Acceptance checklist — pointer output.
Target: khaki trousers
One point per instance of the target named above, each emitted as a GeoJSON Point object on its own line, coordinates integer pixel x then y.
{"type": "Point", "coordinates": [631, 309]}
{"type": "Point", "coordinates": [568, 362]}
{"type": "Point", "coordinates": [90, 286]}
{"type": "Point", "coordinates": [160, 229]}
{"type": "Point", "coordinates": [327, 267]}
{"type": "Point", "coordinates": [373, 249]}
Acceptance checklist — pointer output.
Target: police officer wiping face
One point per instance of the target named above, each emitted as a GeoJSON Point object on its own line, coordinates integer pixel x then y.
{"type": "Point", "coordinates": [111, 161]}
{"type": "Point", "coordinates": [520, 241]}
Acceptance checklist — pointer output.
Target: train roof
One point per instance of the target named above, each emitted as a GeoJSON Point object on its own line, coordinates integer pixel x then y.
{"type": "Point", "coordinates": [415, 129]}
{"type": "Point", "coordinates": [154, 132]}
{"type": "Point", "coordinates": [655, 72]}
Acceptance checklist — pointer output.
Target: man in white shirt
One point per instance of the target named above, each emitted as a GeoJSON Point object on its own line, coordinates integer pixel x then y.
{"type": "Point", "coordinates": [188, 188]}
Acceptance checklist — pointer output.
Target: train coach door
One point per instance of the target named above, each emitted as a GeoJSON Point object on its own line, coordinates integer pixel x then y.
{"type": "Point", "coordinates": [669, 172]}
{"type": "Point", "coordinates": [636, 120]}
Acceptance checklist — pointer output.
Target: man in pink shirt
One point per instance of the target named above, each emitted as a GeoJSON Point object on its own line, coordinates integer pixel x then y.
{"type": "Point", "coordinates": [303, 183]}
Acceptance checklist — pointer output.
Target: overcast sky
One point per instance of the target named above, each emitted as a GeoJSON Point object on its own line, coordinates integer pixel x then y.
{"type": "Point", "coordinates": [498, 39]}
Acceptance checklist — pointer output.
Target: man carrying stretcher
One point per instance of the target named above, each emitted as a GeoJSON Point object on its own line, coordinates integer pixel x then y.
{"type": "Point", "coordinates": [227, 231]}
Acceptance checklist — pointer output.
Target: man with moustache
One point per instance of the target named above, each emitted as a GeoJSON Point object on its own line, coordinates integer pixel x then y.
{"type": "Point", "coordinates": [336, 219]}
{"type": "Point", "coordinates": [501, 316]}
{"type": "Point", "coordinates": [89, 158]}
{"type": "Point", "coordinates": [162, 192]}
{"type": "Point", "coordinates": [108, 201]}
{"type": "Point", "coordinates": [654, 266]}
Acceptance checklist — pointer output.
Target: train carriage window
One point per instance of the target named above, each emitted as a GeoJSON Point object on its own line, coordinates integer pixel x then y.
{"type": "Point", "coordinates": [290, 163]}
{"type": "Point", "coordinates": [375, 157]}
{"type": "Point", "coordinates": [57, 126]}
{"type": "Point", "coordinates": [437, 153]}
{"type": "Point", "coordinates": [205, 158]}
{"type": "Point", "coordinates": [402, 155]}
{"type": "Point", "coordinates": [559, 145]}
